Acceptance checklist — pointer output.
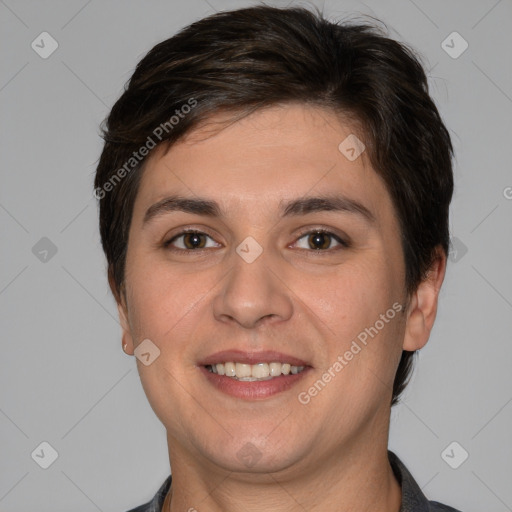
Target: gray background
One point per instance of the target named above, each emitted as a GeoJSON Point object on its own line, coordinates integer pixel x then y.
{"type": "Point", "coordinates": [64, 378]}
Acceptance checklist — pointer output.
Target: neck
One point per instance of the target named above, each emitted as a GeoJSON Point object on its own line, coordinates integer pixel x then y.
{"type": "Point", "coordinates": [359, 480]}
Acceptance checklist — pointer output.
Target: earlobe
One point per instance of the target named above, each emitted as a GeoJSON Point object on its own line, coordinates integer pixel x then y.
{"type": "Point", "coordinates": [423, 305]}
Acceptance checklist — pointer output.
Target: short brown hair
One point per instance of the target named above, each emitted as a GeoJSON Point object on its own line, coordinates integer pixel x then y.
{"type": "Point", "coordinates": [243, 60]}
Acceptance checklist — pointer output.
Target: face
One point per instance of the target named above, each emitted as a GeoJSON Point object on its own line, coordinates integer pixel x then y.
{"type": "Point", "coordinates": [268, 278]}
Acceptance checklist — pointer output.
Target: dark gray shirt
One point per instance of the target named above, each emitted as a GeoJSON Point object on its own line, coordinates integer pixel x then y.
{"type": "Point", "coordinates": [413, 500]}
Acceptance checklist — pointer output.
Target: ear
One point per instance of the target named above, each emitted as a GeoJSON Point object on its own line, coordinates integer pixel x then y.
{"type": "Point", "coordinates": [423, 304]}
{"type": "Point", "coordinates": [120, 297]}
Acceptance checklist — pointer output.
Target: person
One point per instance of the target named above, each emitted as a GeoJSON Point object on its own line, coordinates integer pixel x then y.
{"type": "Point", "coordinates": [274, 194]}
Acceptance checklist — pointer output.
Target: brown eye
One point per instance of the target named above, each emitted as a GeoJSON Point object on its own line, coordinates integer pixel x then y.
{"type": "Point", "coordinates": [321, 240]}
{"type": "Point", "coordinates": [190, 241]}
{"type": "Point", "coordinates": [193, 241]}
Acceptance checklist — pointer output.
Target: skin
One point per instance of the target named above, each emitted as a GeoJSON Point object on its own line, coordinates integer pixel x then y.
{"type": "Point", "coordinates": [329, 454]}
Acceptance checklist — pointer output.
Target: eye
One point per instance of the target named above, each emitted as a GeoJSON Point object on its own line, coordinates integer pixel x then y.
{"type": "Point", "coordinates": [321, 239]}
{"type": "Point", "coordinates": [192, 240]}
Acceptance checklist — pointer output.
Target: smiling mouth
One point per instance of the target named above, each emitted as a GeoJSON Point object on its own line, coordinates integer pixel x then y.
{"type": "Point", "coordinates": [253, 372]}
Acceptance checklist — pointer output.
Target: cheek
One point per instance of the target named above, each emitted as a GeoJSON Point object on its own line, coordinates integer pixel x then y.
{"type": "Point", "coordinates": [355, 307]}
{"type": "Point", "coordinates": [163, 296]}
{"type": "Point", "coordinates": [352, 296]}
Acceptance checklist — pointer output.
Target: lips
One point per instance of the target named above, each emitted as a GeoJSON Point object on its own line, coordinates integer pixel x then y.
{"type": "Point", "coordinates": [251, 388]}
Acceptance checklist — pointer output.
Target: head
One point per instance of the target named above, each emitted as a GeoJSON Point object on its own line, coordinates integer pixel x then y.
{"type": "Point", "coordinates": [254, 109]}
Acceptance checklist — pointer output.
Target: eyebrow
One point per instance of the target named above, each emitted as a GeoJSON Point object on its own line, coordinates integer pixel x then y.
{"type": "Point", "coordinates": [295, 207]}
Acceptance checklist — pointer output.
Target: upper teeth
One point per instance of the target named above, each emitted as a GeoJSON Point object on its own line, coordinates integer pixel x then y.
{"type": "Point", "coordinates": [250, 372]}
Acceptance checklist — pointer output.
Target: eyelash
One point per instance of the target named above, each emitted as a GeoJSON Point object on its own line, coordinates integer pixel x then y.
{"type": "Point", "coordinates": [344, 244]}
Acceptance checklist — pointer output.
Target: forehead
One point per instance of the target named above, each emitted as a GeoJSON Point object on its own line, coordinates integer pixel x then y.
{"type": "Point", "coordinates": [273, 155]}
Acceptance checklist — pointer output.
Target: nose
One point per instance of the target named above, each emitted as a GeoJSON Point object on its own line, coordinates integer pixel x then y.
{"type": "Point", "coordinates": [253, 293]}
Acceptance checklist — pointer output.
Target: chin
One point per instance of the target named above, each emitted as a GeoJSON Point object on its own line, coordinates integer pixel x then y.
{"type": "Point", "coordinates": [253, 456]}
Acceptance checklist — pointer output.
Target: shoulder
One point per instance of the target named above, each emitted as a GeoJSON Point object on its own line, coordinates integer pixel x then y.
{"type": "Point", "coordinates": [439, 507]}
{"type": "Point", "coordinates": [155, 504]}
{"type": "Point", "coordinates": [140, 508]}
{"type": "Point", "coordinates": [413, 499]}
